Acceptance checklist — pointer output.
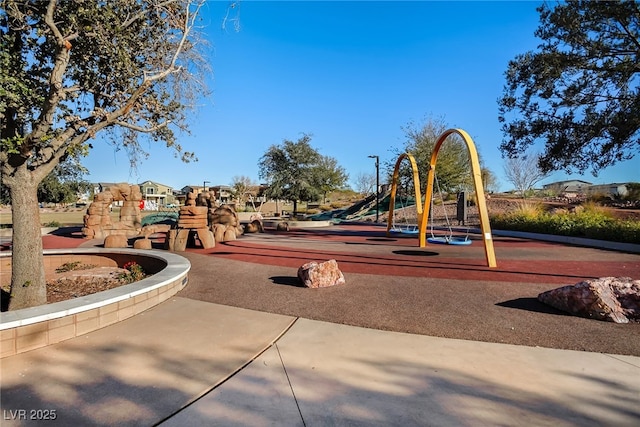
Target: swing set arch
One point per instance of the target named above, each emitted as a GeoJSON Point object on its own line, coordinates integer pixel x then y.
{"type": "Point", "coordinates": [423, 213]}
{"type": "Point", "coordinates": [477, 182]}
{"type": "Point", "coordinates": [394, 188]}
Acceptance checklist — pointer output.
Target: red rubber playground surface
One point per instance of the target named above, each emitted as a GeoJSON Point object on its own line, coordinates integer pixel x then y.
{"type": "Point", "coordinates": [368, 250]}
{"type": "Point", "coordinates": [392, 284]}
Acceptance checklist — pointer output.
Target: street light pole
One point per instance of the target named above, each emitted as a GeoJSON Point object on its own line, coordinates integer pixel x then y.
{"type": "Point", "coordinates": [204, 185]}
{"type": "Point", "coordinates": [377, 185]}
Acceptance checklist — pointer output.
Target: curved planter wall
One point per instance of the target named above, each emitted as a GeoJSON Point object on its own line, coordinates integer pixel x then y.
{"type": "Point", "coordinates": [31, 328]}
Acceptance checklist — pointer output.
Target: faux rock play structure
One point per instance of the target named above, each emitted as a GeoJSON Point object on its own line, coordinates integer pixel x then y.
{"type": "Point", "coordinates": [97, 221]}
{"type": "Point", "coordinates": [612, 299]}
{"type": "Point", "coordinates": [210, 223]}
{"type": "Point", "coordinates": [200, 217]}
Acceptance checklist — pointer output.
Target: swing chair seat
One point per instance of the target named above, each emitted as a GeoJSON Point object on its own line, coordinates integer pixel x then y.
{"type": "Point", "coordinates": [461, 241]}
{"type": "Point", "coordinates": [405, 230]}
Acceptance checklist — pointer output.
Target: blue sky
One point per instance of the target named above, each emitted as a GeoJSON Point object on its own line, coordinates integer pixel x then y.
{"type": "Point", "coordinates": [351, 74]}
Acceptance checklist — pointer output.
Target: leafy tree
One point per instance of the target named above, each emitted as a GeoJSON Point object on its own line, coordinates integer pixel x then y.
{"type": "Point", "coordinates": [523, 172]}
{"type": "Point", "coordinates": [64, 183]}
{"type": "Point", "coordinates": [579, 93]}
{"type": "Point", "coordinates": [329, 176]}
{"type": "Point", "coordinates": [127, 69]}
{"type": "Point", "coordinates": [296, 171]}
{"type": "Point", "coordinates": [453, 169]}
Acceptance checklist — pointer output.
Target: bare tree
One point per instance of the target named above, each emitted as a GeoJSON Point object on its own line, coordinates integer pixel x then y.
{"type": "Point", "coordinates": [489, 180]}
{"type": "Point", "coordinates": [365, 183]}
{"type": "Point", "coordinates": [523, 172]}
{"type": "Point", "coordinates": [242, 187]}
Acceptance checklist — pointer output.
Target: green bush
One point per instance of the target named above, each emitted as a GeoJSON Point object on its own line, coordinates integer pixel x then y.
{"type": "Point", "coordinates": [591, 224]}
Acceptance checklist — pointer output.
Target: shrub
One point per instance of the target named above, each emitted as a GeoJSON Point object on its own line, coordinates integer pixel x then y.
{"type": "Point", "coordinates": [72, 266]}
{"type": "Point", "coordinates": [593, 223]}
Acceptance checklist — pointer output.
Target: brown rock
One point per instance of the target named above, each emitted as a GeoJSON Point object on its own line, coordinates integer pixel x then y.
{"type": "Point", "coordinates": [282, 226]}
{"type": "Point", "coordinates": [230, 234]}
{"type": "Point", "coordinates": [254, 226]}
{"type": "Point", "coordinates": [206, 238]}
{"type": "Point", "coordinates": [148, 230]}
{"type": "Point", "coordinates": [116, 241]}
{"type": "Point", "coordinates": [199, 211]}
{"type": "Point", "coordinates": [218, 232]}
{"type": "Point", "coordinates": [613, 299]}
{"type": "Point", "coordinates": [321, 274]}
{"type": "Point", "coordinates": [225, 214]}
{"type": "Point", "coordinates": [142, 244]}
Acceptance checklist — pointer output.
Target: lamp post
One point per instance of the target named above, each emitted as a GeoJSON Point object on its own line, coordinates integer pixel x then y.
{"type": "Point", "coordinates": [204, 185]}
{"type": "Point", "coordinates": [377, 185]}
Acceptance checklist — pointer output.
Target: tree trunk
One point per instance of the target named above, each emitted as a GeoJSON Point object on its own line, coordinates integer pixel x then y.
{"type": "Point", "coordinates": [295, 209]}
{"type": "Point", "coordinates": [28, 283]}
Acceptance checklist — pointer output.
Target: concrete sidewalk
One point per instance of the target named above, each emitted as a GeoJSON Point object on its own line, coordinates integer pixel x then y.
{"type": "Point", "coordinates": [322, 374]}
{"type": "Point", "coordinates": [193, 363]}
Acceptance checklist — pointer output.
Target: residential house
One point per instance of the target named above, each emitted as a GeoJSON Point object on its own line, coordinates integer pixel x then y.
{"type": "Point", "coordinates": [161, 194]}
{"type": "Point", "coordinates": [223, 194]}
{"type": "Point", "coordinates": [612, 190]}
{"type": "Point", "coordinates": [569, 188]}
{"type": "Point", "coordinates": [193, 189]}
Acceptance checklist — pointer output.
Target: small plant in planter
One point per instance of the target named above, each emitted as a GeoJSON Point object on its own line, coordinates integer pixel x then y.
{"type": "Point", "coordinates": [72, 266]}
{"type": "Point", "coordinates": [134, 273]}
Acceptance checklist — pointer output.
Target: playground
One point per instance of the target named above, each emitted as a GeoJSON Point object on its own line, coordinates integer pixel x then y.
{"type": "Point", "coordinates": [423, 332]}
{"type": "Point", "coordinates": [416, 336]}
{"type": "Point", "coordinates": [439, 290]}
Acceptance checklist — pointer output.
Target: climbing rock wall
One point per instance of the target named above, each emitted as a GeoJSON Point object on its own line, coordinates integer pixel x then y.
{"type": "Point", "coordinates": [97, 221]}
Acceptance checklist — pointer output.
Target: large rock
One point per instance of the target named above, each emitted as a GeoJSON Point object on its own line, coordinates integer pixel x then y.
{"type": "Point", "coordinates": [143, 243]}
{"type": "Point", "coordinates": [321, 274]}
{"type": "Point", "coordinates": [613, 299]}
{"type": "Point", "coordinates": [116, 241]}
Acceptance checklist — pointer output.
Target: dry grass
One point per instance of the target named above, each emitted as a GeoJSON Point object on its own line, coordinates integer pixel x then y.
{"type": "Point", "coordinates": [62, 216]}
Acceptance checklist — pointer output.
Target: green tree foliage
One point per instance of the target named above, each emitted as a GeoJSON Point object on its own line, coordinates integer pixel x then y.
{"type": "Point", "coordinates": [580, 92]}
{"type": "Point", "coordinates": [65, 183]}
{"type": "Point", "coordinates": [127, 69]}
{"type": "Point", "coordinates": [453, 168]}
{"type": "Point", "coordinates": [62, 185]}
{"type": "Point", "coordinates": [329, 175]}
{"type": "Point", "coordinates": [296, 171]}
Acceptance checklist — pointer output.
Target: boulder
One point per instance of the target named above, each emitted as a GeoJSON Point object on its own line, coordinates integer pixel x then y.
{"type": "Point", "coordinates": [321, 274]}
{"type": "Point", "coordinates": [224, 215]}
{"type": "Point", "coordinates": [148, 230]}
{"type": "Point", "coordinates": [254, 226]}
{"type": "Point", "coordinates": [143, 243]}
{"type": "Point", "coordinates": [613, 299]}
{"type": "Point", "coordinates": [218, 232]}
{"type": "Point", "coordinates": [230, 234]}
{"type": "Point", "coordinates": [282, 226]}
{"type": "Point", "coordinates": [116, 241]}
